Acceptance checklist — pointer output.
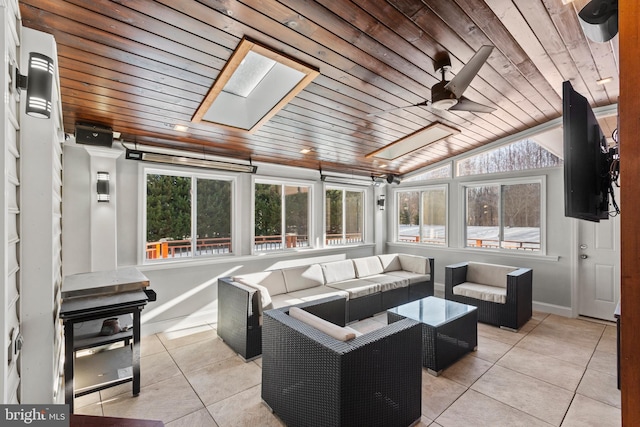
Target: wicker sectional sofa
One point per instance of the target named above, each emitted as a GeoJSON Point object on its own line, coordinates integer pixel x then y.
{"type": "Point", "coordinates": [369, 284]}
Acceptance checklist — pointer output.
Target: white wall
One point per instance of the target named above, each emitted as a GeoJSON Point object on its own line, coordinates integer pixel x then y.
{"type": "Point", "coordinates": [187, 291]}
{"type": "Point", "coordinates": [551, 273]}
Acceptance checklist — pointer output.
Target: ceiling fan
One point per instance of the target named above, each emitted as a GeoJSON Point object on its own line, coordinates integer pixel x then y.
{"type": "Point", "coordinates": [447, 95]}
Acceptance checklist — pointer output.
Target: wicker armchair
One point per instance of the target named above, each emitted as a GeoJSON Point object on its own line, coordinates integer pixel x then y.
{"type": "Point", "coordinates": [311, 379]}
{"type": "Point", "coordinates": [513, 313]}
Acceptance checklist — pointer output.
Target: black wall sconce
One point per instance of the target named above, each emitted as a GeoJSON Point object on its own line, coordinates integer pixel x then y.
{"type": "Point", "coordinates": [103, 186]}
{"type": "Point", "coordinates": [38, 83]}
{"type": "Point", "coordinates": [381, 202]}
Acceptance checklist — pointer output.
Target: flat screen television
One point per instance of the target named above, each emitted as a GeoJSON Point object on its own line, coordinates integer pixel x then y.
{"type": "Point", "coordinates": [586, 160]}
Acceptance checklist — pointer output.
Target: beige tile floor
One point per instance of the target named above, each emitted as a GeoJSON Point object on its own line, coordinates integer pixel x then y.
{"type": "Point", "coordinates": [554, 372]}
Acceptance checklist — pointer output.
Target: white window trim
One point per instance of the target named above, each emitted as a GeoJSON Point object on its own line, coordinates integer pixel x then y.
{"type": "Point", "coordinates": [462, 204]}
{"type": "Point", "coordinates": [365, 212]}
{"type": "Point", "coordinates": [420, 189]}
{"type": "Point", "coordinates": [143, 171]}
{"type": "Point", "coordinates": [292, 183]}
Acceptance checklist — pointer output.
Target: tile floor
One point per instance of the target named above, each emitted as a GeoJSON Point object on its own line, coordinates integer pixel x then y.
{"type": "Point", "coordinates": [554, 372]}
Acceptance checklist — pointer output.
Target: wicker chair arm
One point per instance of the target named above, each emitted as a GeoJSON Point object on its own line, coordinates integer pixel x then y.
{"type": "Point", "coordinates": [454, 275]}
{"type": "Point", "coordinates": [281, 319]}
{"type": "Point", "coordinates": [519, 285]}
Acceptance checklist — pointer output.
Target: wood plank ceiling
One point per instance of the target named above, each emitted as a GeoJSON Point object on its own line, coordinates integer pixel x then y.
{"type": "Point", "coordinates": [142, 66]}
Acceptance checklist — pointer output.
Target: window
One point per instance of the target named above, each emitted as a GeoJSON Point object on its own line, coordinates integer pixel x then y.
{"type": "Point", "coordinates": [344, 220]}
{"type": "Point", "coordinates": [186, 215]}
{"type": "Point", "coordinates": [422, 216]}
{"type": "Point", "coordinates": [504, 216]}
{"type": "Point", "coordinates": [281, 216]}
{"type": "Point", "coordinates": [522, 155]}
{"type": "Point", "coordinates": [441, 172]}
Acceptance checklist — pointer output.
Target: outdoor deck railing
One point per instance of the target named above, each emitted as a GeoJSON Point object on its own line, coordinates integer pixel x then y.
{"type": "Point", "coordinates": [506, 244]}
{"type": "Point", "coordinates": [183, 248]}
{"type": "Point", "coordinates": [477, 243]}
{"type": "Point", "coordinates": [339, 239]}
{"type": "Point", "coordinates": [180, 248]}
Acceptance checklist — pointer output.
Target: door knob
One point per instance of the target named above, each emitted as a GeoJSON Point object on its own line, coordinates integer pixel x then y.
{"type": "Point", "coordinates": [583, 256]}
{"type": "Point", "coordinates": [583, 246]}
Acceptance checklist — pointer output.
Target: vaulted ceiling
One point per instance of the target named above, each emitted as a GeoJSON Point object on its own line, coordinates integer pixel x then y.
{"type": "Point", "coordinates": [141, 67]}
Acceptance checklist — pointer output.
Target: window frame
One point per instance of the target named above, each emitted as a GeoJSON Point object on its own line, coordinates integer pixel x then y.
{"type": "Point", "coordinates": [194, 174]}
{"type": "Point", "coordinates": [365, 211]}
{"type": "Point", "coordinates": [396, 214]}
{"type": "Point", "coordinates": [541, 180]}
{"type": "Point", "coordinates": [310, 208]}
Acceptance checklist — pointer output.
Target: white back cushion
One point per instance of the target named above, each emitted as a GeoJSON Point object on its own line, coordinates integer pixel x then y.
{"type": "Point", "coordinates": [338, 271]}
{"type": "Point", "coordinates": [488, 274]}
{"type": "Point", "coordinates": [416, 264]}
{"type": "Point", "coordinates": [303, 277]}
{"type": "Point", "coordinates": [390, 262]}
{"type": "Point", "coordinates": [338, 332]}
{"type": "Point", "coordinates": [272, 280]}
{"type": "Point", "coordinates": [368, 266]}
{"type": "Point", "coordinates": [265, 298]}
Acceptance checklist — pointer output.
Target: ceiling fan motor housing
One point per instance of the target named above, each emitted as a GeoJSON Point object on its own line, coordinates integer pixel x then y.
{"type": "Point", "coordinates": [442, 98]}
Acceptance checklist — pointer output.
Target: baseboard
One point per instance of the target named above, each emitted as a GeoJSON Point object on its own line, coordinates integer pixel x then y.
{"type": "Point", "coordinates": [552, 309]}
{"type": "Point", "coordinates": [179, 323]}
{"type": "Point", "coordinates": [438, 289]}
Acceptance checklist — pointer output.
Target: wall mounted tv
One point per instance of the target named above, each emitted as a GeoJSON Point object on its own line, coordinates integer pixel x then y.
{"type": "Point", "coordinates": [587, 160]}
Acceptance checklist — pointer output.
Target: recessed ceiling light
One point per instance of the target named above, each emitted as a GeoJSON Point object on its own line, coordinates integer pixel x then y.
{"type": "Point", "coordinates": [305, 150]}
{"type": "Point", "coordinates": [180, 128]}
{"type": "Point", "coordinates": [604, 81]}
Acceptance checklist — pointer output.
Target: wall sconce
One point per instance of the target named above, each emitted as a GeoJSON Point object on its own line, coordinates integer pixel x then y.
{"type": "Point", "coordinates": [103, 186]}
{"type": "Point", "coordinates": [380, 202]}
{"type": "Point", "coordinates": [38, 83]}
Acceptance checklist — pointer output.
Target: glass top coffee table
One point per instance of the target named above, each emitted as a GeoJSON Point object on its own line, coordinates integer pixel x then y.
{"type": "Point", "coordinates": [449, 329]}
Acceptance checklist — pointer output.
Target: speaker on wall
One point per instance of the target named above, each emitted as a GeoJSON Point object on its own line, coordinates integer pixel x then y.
{"type": "Point", "coordinates": [90, 134]}
{"type": "Point", "coordinates": [599, 20]}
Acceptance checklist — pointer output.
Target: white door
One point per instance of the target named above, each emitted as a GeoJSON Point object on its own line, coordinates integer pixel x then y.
{"type": "Point", "coordinates": [598, 268]}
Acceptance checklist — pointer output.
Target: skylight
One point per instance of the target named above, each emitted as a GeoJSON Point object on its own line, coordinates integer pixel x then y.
{"type": "Point", "coordinates": [253, 86]}
{"type": "Point", "coordinates": [419, 139]}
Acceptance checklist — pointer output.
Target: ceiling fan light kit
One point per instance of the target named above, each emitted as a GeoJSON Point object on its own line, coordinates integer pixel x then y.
{"type": "Point", "coordinates": [447, 95]}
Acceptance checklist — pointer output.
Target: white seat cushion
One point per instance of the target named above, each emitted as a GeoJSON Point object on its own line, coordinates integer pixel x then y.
{"type": "Point", "coordinates": [312, 294]}
{"type": "Point", "coordinates": [481, 292]}
{"type": "Point", "coordinates": [388, 282]}
{"type": "Point", "coordinates": [304, 277]}
{"type": "Point", "coordinates": [342, 333]}
{"type": "Point", "coordinates": [284, 300]}
{"type": "Point", "coordinates": [411, 277]}
{"type": "Point", "coordinates": [357, 287]}
{"type": "Point", "coordinates": [338, 271]}
{"type": "Point", "coordinates": [368, 266]}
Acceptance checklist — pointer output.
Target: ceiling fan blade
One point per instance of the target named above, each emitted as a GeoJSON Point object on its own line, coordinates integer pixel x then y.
{"type": "Point", "coordinates": [420, 104]}
{"type": "Point", "coordinates": [465, 104]}
{"type": "Point", "coordinates": [461, 81]}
